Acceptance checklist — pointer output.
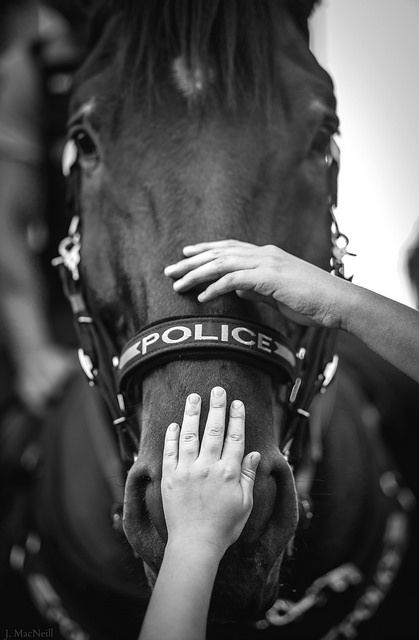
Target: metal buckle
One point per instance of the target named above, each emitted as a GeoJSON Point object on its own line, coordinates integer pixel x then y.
{"type": "Point", "coordinates": [87, 366]}
{"type": "Point", "coordinates": [340, 244]}
{"type": "Point", "coordinates": [329, 372]}
{"type": "Point", "coordinates": [69, 250]}
{"type": "Point", "coordinates": [300, 355]}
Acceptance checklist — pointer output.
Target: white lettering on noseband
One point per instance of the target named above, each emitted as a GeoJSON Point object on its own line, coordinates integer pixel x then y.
{"type": "Point", "coordinates": [148, 340]}
{"type": "Point", "coordinates": [185, 331]}
{"type": "Point", "coordinates": [236, 335]}
{"type": "Point", "coordinates": [264, 342]}
{"type": "Point", "coordinates": [199, 336]}
{"type": "Point", "coordinates": [224, 333]}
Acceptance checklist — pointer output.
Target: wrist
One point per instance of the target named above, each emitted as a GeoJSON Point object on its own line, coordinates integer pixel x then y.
{"type": "Point", "coordinates": [350, 304]}
{"type": "Point", "coordinates": [198, 551]}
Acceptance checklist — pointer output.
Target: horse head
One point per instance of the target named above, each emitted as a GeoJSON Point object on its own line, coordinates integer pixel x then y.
{"type": "Point", "coordinates": [193, 121]}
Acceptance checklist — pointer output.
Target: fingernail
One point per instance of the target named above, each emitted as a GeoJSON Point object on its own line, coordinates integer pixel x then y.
{"type": "Point", "coordinates": [173, 426]}
{"type": "Point", "coordinates": [194, 398]}
{"type": "Point", "coordinates": [237, 404]}
{"type": "Point", "coordinates": [168, 269]}
{"type": "Point", "coordinates": [176, 285]}
{"type": "Point", "coordinates": [255, 458]}
{"type": "Point", "coordinates": [218, 392]}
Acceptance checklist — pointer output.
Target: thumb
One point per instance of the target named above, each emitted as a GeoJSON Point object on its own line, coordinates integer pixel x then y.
{"type": "Point", "coordinates": [249, 466]}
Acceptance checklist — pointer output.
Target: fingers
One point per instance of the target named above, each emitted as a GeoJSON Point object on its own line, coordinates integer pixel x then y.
{"type": "Point", "coordinates": [180, 268]}
{"type": "Point", "coordinates": [213, 438]}
{"type": "Point", "coordinates": [233, 450]}
{"type": "Point", "coordinates": [204, 273]}
{"type": "Point", "coordinates": [194, 249]}
{"type": "Point", "coordinates": [181, 446]}
{"type": "Point", "coordinates": [189, 435]}
{"type": "Point", "coordinates": [248, 475]}
{"type": "Point", "coordinates": [183, 266]}
{"type": "Point", "coordinates": [243, 280]}
{"type": "Point", "coordinates": [211, 269]}
{"type": "Point", "coordinates": [171, 447]}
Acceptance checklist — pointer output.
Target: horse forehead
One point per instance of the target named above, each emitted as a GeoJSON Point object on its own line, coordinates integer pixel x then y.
{"type": "Point", "coordinates": [301, 83]}
{"type": "Point", "coordinates": [193, 79]}
{"type": "Point", "coordinates": [190, 80]}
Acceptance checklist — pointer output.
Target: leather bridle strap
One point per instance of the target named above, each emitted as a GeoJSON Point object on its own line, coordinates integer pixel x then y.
{"type": "Point", "coordinates": [316, 367]}
{"type": "Point", "coordinates": [195, 337]}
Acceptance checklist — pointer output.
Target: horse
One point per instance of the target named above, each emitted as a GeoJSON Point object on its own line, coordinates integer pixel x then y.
{"type": "Point", "coordinates": [195, 120]}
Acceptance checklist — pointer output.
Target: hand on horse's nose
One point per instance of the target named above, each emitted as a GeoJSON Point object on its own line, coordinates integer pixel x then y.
{"type": "Point", "coordinates": [207, 491]}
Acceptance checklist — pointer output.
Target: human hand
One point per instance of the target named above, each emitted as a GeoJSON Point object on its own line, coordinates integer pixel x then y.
{"type": "Point", "coordinates": [207, 491]}
{"type": "Point", "coordinates": [301, 291]}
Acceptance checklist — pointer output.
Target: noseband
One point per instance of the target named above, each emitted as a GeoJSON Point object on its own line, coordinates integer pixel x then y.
{"type": "Point", "coordinates": [206, 337]}
{"type": "Point", "coordinates": [307, 372]}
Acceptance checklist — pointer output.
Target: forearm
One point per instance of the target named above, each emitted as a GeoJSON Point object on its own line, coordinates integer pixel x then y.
{"type": "Point", "coordinates": [180, 600]}
{"type": "Point", "coordinates": [389, 328]}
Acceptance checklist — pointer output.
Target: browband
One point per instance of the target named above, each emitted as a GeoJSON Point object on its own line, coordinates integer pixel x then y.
{"type": "Point", "coordinates": [195, 337]}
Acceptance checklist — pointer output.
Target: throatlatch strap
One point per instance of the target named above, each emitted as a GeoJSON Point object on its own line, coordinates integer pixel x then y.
{"type": "Point", "coordinates": [207, 337]}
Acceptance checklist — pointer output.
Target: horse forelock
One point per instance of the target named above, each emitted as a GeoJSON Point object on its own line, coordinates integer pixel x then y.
{"type": "Point", "coordinates": [229, 42]}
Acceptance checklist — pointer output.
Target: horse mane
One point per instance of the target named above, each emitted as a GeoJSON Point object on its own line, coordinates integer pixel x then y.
{"type": "Point", "coordinates": [232, 38]}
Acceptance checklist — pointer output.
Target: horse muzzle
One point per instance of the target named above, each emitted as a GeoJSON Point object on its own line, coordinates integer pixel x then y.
{"type": "Point", "coordinates": [247, 577]}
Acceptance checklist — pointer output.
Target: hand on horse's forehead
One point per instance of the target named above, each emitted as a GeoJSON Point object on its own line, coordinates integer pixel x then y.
{"type": "Point", "coordinates": [301, 291]}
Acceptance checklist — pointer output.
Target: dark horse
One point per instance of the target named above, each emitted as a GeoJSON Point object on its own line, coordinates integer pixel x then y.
{"type": "Point", "coordinates": [194, 120]}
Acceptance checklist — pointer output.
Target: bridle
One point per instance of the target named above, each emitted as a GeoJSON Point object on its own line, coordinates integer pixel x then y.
{"type": "Point", "coordinates": [308, 372]}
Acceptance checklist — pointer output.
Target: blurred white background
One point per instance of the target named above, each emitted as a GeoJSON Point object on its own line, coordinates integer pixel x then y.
{"type": "Point", "coordinates": [371, 50]}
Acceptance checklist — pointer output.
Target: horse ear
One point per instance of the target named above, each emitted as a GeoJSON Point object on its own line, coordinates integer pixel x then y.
{"type": "Point", "coordinates": [301, 10]}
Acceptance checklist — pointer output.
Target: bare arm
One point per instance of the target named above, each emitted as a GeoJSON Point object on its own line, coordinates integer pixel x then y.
{"type": "Point", "coordinates": [304, 293]}
{"type": "Point", "coordinates": [207, 498]}
{"type": "Point", "coordinates": [389, 328]}
{"type": "Point", "coordinates": [180, 601]}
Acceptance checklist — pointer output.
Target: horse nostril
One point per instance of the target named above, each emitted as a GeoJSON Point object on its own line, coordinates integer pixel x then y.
{"type": "Point", "coordinates": [142, 471]}
{"type": "Point", "coordinates": [139, 480]}
{"type": "Point", "coordinates": [286, 506]}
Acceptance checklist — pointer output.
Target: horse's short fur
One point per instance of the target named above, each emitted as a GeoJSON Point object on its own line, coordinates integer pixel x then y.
{"type": "Point", "coordinates": [210, 120]}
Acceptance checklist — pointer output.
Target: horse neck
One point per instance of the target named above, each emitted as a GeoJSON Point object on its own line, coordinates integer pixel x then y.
{"type": "Point", "coordinates": [348, 507]}
{"type": "Point", "coordinates": [77, 493]}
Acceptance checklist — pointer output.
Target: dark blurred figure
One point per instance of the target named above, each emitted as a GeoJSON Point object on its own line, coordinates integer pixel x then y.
{"type": "Point", "coordinates": [40, 46]}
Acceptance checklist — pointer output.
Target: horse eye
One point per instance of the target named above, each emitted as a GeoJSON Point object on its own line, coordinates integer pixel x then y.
{"type": "Point", "coordinates": [321, 141]}
{"type": "Point", "coordinates": [86, 147]}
